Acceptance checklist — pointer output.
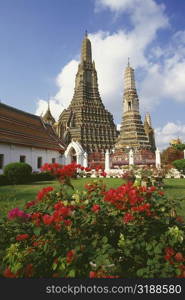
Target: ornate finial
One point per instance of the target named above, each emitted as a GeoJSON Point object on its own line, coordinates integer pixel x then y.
{"type": "Point", "coordinates": [128, 61]}
{"type": "Point", "coordinates": [86, 34]}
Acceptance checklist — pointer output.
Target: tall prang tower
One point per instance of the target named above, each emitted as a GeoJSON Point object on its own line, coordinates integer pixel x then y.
{"type": "Point", "coordinates": [86, 120]}
{"type": "Point", "coordinates": [132, 131]}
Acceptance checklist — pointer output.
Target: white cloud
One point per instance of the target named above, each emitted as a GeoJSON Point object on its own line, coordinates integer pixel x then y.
{"type": "Point", "coordinates": [160, 81]}
{"type": "Point", "coordinates": [168, 132]}
{"type": "Point", "coordinates": [65, 82]}
{"type": "Point", "coordinates": [111, 51]}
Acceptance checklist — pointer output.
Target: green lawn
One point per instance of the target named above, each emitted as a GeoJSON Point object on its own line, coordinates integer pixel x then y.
{"type": "Point", "coordinates": [17, 196]}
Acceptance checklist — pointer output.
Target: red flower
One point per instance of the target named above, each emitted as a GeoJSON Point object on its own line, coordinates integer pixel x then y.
{"type": "Point", "coordinates": [29, 270]}
{"type": "Point", "coordinates": [161, 193]}
{"type": "Point", "coordinates": [152, 188]}
{"type": "Point", "coordinates": [8, 273]}
{"type": "Point", "coordinates": [67, 222]}
{"type": "Point", "coordinates": [42, 193]}
{"type": "Point", "coordinates": [92, 274]}
{"type": "Point", "coordinates": [179, 257]}
{"type": "Point", "coordinates": [182, 269]}
{"type": "Point", "coordinates": [169, 251]}
{"type": "Point", "coordinates": [96, 208]}
{"type": "Point", "coordinates": [87, 169]}
{"type": "Point", "coordinates": [29, 204]}
{"type": "Point", "coordinates": [65, 211]}
{"type": "Point", "coordinates": [104, 174]}
{"type": "Point", "coordinates": [127, 218]}
{"type": "Point", "coordinates": [70, 256]}
{"type": "Point", "coordinates": [47, 219]}
{"type": "Point", "coordinates": [22, 237]}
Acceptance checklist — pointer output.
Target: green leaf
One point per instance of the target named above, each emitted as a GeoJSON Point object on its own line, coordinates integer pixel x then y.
{"type": "Point", "coordinates": [71, 273]}
{"type": "Point", "coordinates": [37, 230]}
{"type": "Point", "coordinates": [104, 240]}
{"type": "Point", "coordinates": [54, 267]}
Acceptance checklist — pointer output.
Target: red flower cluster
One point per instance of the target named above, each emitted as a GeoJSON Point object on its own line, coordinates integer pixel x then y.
{"type": "Point", "coordinates": [22, 237]}
{"type": "Point", "coordinates": [96, 208]}
{"type": "Point", "coordinates": [70, 256]}
{"type": "Point", "coordinates": [172, 257]}
{"type": "Point", "coordinates": [128, 218]}
{"type": "Point", "coordinates": [30, 203]}
{"type": "Point", "coordinates": [87, 169]}
{"type": "Point", "coordinates": [130, 198]}
{"type": "Point", "coordinates": [145, 207]}
{"type": "Point", "coordinates": [47, 219]}
{"type": "Point", "coordinates": [53, 168]}
{"type": "Point", "coordinates": [36, 217]}
{"type": "Point", "coordinates": [42, 193]}
{"type": "Point", "coordinates": [100, 167]}
{"type": "Point", "coordinates": [29, 270]}
{"type": "Point", "coordinates": [182, 269]}
{"type": "Point", "coordinates": [124, 196]}
{"type": "Point", "coordinates": [169, 253]}
{"type": "Point", "coordinates": [62, 172]}
{"type": "Point", "coordinates": [100, 274]}
{"type": "Point", "coordinates": [8, 273]}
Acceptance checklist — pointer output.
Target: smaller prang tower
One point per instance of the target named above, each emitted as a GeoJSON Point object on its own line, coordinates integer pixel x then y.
{"type": "Point", "coordinates": [149, 131]}
{"type": "Point", "coordinates": [132, 131]}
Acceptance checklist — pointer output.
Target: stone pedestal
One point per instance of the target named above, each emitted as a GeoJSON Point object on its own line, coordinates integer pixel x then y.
{"type": "Point", "coordinates": [85, 160]}
{"type": "Point", "coordinates": [131, 157]}
{"type": "Point", "coordinates": [157, 159]}
{"type": "Point", "coordinates": [107, 161]}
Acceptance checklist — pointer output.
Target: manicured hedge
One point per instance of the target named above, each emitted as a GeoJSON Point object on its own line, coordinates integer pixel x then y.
{"type": "Point", "coordinates": [179, 164]}
{"type": "Point", "coordinates": [4, 180]}
{"type": "Point", "coordinates": [18, 172]}
{"type": "Point", "coordinates": [42, 176]}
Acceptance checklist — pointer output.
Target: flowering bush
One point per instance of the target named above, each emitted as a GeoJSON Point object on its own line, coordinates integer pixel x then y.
{"type": "Point", "coordinates": [123, 232]}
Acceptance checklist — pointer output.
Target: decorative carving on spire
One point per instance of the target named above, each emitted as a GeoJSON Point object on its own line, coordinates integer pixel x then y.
{"type": "Point", "coordinates": [148, 119]}
{"type": "Point", "coordinates": [129, 78]}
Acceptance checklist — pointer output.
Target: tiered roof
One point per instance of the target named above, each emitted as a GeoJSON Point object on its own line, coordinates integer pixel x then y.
{"type": "Point", "coordinates": [22, 128]}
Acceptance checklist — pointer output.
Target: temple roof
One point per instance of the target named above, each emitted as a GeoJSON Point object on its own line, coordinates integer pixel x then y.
{"type": "Point", "coordinates": [22, 128]}
{"type": "Point", "coordinates": [48, 118]}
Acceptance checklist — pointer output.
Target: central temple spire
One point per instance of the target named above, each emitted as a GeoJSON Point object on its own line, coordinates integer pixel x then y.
{"type": "Point", "coordinates": [86, 53]}
{"type": "Point", "coordinates": [86, 120]}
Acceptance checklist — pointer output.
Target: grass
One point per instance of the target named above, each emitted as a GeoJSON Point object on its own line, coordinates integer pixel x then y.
{"type": "Point", "coordinates": [18, 195]}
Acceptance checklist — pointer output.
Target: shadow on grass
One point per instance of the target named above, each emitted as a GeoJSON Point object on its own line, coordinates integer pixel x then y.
{"type": "Point", "coordinates": [179, 187]}
{"type": "Point", "coordinates": [40, 183]}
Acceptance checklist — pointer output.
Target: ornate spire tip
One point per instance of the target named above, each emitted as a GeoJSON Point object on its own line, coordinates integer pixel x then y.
{"type": "Point", "coordinates": [128, 61]}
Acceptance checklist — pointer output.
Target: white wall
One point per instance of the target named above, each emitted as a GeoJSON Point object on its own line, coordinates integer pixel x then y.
{"type": "Point", "coordinates": [12, 154]}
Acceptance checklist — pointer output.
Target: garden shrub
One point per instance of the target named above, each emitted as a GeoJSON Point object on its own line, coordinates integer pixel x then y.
{"type": "Point", "coordinates": [18, 172]}
{"type": "Point", "coordinates": [4, 180]}
{"type": "Point", "coordinates": [124, 232]}
{"type": "Point", "coordinates": [41, 176]}
{"type": "Point", "coordinates": [179, 164]}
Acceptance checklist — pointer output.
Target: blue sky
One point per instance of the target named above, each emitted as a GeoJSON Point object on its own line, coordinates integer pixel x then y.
{"type": "Point", "coordinates": [40, 43]}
